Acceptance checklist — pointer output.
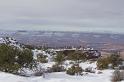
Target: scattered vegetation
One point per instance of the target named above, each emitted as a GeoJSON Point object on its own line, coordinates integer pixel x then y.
{"type": "Point", "coordinates": [114, 59]}
{"type": "Point", "coordinates": [77, 56]}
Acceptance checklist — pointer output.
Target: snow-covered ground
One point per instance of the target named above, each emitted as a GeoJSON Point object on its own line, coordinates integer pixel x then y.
{"type": "Point", "coordinates": [105, 76]}
{"type": "Point", "coordinates": [58, 77]}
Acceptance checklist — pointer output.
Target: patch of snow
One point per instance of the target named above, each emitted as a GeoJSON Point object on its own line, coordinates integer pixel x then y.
{"type": "Point", "coordinates": [87, 64]}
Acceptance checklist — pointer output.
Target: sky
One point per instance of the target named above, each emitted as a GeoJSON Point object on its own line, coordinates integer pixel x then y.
{"type": "Point", "coordinates": [63, 15]}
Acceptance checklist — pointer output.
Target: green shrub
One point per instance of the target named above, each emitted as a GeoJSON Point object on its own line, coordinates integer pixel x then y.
{"type": "Point", "coordinates": [114, 59]}
{"type": "Point", "coordinates": [12, 58]}
{"type": "Point", "coordinates": [42, 58]}
{"type": "Point", "coordinates": [102, 63]}
{"type": "Point", "coordinates": [57, 68]}
{"type": "Point", "coordinates": [74, 70]}
{"type": "Point", "coordinates": [71, 71]}
{"type": "Point", "coordinates": [25, 58]}
{"type": "Point", "coordinates": [59, 58]}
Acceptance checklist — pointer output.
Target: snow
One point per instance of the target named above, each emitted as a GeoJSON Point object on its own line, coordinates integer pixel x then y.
{"type": "Point", "coordinates": [5, 77]}
{"type": "Point", "coordinates": [87, 64]}
{"type": "Point", "coordinates": [105, 76]}
{"type": "Point", "coordinates": [47, 65]}
{"type": "Point", "coordinates": [36, 52]}
{"type": "Point", "coordinates": [10, 41]}
{"type": "Point", "coordinates": [58, 77]}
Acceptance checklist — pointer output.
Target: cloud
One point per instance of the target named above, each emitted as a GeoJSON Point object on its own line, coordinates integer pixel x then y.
{"type": "Point", "coordinates": [62, 15]}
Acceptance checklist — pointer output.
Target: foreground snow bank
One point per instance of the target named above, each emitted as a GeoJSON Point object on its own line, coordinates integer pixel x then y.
{"type": "Point", "coordinates": [59, 77]}
{"type": "Point", "coordinates": [5, 77]}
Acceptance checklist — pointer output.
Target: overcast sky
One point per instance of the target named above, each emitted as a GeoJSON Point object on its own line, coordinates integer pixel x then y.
{"type": "Point", "coordinates": [63, 15]}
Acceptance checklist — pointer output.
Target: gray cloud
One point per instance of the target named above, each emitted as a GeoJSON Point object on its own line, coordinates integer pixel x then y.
{"type": "Point", "coordinates": [62, 15]}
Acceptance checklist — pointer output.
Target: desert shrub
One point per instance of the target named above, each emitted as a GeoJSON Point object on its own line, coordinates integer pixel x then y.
{"type": "Point", "coordinates": [77, 56]}
{"type": "Point", "coordinates": [12, 58]}
{"type": "Point", "coordinates": [71, 71]}
{"type": "Point", "coordinates": [42, 58]}
{"type": "Point", "coordinates": [39, 72]}
{"type": "Point", "coordinates": [57, 68]}
{"type": "Point", "coordinates": [114, 59]}
{"type": "Point", "coordinates": [102, 63]}
{"type": "Point", "coordinates": [25, 59]}
{"type": "Point", "coordinates": [59, 58]}
{"type": "Point", "coordinates": [116, 77]}
{"type": "Point", "coordinates": [74, 70]}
